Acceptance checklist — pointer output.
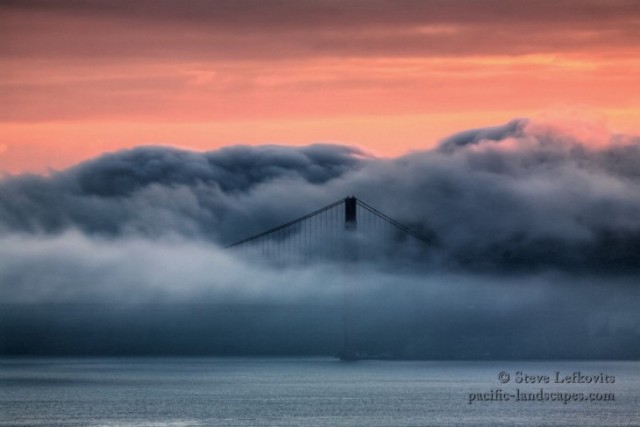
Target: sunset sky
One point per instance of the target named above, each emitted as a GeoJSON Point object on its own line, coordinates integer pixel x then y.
{"type": "Point", "coordinates": [79, 78]}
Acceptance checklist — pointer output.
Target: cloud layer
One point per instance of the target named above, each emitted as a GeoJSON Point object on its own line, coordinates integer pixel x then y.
{"type": "Point", "coordinates": [536, 224]}
{"type": "Point", "coordinates": [285, 29]}
{"type": "Point", "coordinates": [523, 195]}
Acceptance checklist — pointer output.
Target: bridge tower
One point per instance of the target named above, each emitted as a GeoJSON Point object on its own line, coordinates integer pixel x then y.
{"type": "Point", "coordinates": [350, 257]}
{"type": "Point", "coordinates": [350, 214]}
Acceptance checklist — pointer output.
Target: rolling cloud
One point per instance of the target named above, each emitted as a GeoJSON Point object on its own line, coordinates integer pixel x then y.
{"type": "Point", "coordinates": [523, 195]}
{"type": "Point", "coordinates": [530, 218]}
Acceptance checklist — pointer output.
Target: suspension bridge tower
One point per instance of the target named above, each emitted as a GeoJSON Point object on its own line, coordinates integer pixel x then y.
{"type": "Point", "coordinates": [350, 257]}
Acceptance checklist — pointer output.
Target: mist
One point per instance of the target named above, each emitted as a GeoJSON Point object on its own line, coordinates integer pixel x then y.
{"type": "Point", "coordinates": [534, 229]}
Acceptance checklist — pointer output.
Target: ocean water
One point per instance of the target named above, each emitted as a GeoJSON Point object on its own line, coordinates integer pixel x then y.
{"type": "Point", "coordinates": [315, 392]}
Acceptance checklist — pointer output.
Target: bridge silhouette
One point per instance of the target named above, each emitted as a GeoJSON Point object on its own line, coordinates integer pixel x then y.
{"type": "Point", "coordinates": [348, 230]}
{"type": "Point", "coordinates": [333, 231]}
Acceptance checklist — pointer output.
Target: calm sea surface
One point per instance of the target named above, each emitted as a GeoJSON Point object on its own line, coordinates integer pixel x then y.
{"type": "Point", "coordinates": [312, 392]}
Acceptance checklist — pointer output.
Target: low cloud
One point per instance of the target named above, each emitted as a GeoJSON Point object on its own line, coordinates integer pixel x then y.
{"type": "Point", "coordinates": [522, 195]}
{"type": "Point", "coordinates": [533, 226]}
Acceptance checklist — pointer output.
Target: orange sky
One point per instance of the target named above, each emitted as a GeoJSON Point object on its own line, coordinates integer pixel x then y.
{"type": "Point", "coordinates": [80, 78]}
